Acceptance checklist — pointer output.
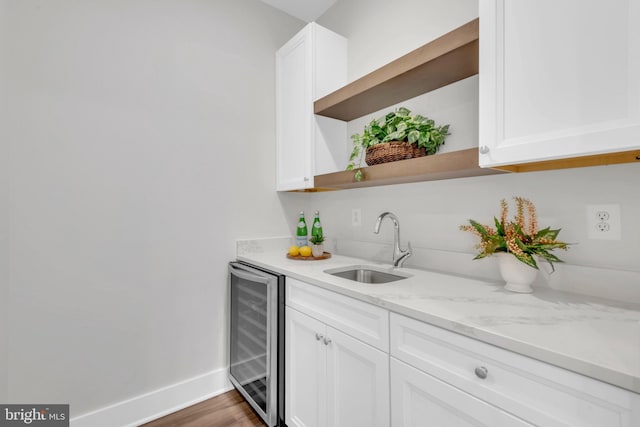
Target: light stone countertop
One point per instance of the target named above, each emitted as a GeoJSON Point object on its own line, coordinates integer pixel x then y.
{"type": "Point", "coordinates": [594, 337]}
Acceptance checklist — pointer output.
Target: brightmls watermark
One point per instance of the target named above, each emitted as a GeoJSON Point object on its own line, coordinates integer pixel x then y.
{"type": "Point", "coordinates": [34, 415]}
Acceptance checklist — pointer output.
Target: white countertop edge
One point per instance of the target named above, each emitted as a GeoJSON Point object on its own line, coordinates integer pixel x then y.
{"type": "Point", "coordinates": [598, 372]}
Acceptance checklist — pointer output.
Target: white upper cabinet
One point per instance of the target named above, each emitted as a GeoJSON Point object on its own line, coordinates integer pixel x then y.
{"type": "Point", "coordinates": [310, 65]}
{"type": "Point", "coordinates": [558, 79]}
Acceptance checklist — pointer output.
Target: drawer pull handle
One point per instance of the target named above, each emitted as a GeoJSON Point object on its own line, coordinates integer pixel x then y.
{"type": "Point", "coordinates": [326, 341]}
{"type": "Point", "coordinates": [481, 372]}
{"type": "Point", "coordinates": [319, 336]}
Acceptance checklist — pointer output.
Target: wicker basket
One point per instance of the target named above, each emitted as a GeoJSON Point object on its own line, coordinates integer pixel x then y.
{"type": "Point", "coordinates": [391, 152]}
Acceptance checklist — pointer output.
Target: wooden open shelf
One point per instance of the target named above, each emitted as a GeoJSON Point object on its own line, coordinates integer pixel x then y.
{"type": "Point", "coordinates": [443, 61]}
{"type": "Point", "coordinates": [605, 159]}
{"type": "Point", "coordinates": [454, 164]}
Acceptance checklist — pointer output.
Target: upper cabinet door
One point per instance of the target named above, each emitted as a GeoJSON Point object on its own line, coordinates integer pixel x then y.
{"type": "Point", "coordinates": [293, 119]}
{"type": "Point", "coordinates": [558, 79]}
{"type": "Point", "coordinates": [310, 65]}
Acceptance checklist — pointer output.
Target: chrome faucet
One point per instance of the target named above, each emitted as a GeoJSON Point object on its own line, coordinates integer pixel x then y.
{"type": "Point", "coordinates": [399, 256]}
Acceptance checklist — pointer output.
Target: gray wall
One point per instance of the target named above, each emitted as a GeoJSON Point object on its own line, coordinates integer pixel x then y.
{"type": "Point", "coordinates": [142, 143]}
{"type": "Point", "coordinates": [4, 215]}
{"type": "Point", "coordinates": [380, 31]}
{"type": "Point", "coordinates": [430, 212]}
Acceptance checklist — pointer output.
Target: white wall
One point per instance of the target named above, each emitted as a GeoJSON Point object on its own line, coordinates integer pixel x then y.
{"type": "Point", "coordinates": [4, 215]}
{"type": "Point", "coordinates": [380, 31]}
{"type": "Point", "coordinates": [142, 143]}
{"type": "Point", "coordinates": [430, 212]}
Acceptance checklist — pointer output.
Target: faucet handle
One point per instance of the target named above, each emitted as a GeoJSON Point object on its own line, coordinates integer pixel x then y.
{"type": "Point", "coordinates": [409, 250]}
{"type": "Point", "coordinates": [404, 255]}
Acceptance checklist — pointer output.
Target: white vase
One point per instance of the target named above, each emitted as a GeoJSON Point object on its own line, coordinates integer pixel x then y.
{"type": "Point", "coordinates": [517, 275]}
{"type": "Point", "coordinates": [317, 250]}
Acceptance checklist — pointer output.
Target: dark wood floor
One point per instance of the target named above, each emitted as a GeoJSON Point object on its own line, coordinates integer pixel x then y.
{"type": "Point", "coordinates": [226, 410]}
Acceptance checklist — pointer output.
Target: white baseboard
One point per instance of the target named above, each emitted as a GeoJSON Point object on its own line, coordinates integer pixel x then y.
{"type": "Point", "coordinates": [150, 406]}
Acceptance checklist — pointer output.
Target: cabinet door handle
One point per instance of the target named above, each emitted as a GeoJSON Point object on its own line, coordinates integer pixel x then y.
{"type": "Point", "coordinates": [481, 372]}
{"type": "Point", "coordinates": [484, 149]}
{"type": "Point", "coordinates": [326, 341]}
{"type": "Point", "coordinates": [319, 336]}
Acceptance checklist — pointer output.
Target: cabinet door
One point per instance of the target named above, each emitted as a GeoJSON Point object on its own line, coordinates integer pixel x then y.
{"type": "Point", "coordinates": [420, 400]}
{"type": "Point", "coordinates": [357, 382]}
{"type": "Point", "coordinates": [311, 65]}
{"type": "Point", "coordinates": [305, 372]}
{"type": "Point", "coordinates": [294, 112]}
{"type": "Point", "coordinates": [558, 79]}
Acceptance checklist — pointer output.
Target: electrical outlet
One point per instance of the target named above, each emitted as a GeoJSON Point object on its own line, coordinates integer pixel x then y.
{"type": "Point", "coordinates": [356, 217]}
{"type": "Point", "coordinates": [603, 222]}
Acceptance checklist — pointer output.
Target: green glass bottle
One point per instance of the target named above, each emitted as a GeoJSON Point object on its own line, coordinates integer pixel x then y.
{"type": "Point", "coordinates": [301, 233]}
{"type": "Point", "coordinates": [316, 229]}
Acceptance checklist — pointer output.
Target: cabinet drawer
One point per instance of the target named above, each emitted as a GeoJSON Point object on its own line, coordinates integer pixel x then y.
{"type": "Point", "coordinates": [419, 400]}
{"type": "Point", "coordinates": [364, 321]}
{"type": "Point", "coordinates": [542, 394]}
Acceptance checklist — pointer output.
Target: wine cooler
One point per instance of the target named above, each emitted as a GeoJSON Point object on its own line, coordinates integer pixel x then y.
{"type": "Point", "coordinates": [256, 339]}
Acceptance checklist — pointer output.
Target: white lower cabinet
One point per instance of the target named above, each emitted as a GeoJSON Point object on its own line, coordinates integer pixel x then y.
{"type": "Point", "coordinates": [352, 364]}
{"type": "Point", "coordinates": [305, 372]}
{"type": "Point", "coordinates": [469, 383]}
{"type": "Point", "coordinates": [332, 378]}
{"type": "Point", "coordinates": [420, 400]}
{"type": "Point", "coordinates": [357, 382]}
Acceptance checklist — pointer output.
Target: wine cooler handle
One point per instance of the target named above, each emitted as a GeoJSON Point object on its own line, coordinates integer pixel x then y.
{"type": "Point", "coordinates": [243, 274]}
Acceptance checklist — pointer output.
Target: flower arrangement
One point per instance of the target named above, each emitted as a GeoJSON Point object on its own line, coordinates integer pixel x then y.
{"type": "Point", "coordinates": [517, 236]}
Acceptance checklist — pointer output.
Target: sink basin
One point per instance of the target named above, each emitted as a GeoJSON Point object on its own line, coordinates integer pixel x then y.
{"type": "Point", "coordinates": [367, 274]}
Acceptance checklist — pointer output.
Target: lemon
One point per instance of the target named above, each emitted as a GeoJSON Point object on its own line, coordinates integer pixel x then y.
{"type": "Point", "coordinates": [305, 251]}
{"type": "Point", "coordinates": [294, 250]}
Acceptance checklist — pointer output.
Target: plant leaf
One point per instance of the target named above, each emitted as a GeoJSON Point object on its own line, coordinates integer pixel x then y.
{"type": "Point", "coordinates": [479, 228]}
{"type": "Point", "coordinates": [527, 259]}
{"type": "Point", "coordinates": [404, 111]}
{"type": "Point", "coordinates": [354, 153]}
{"type": "Point", "coordinates": [413, 136]}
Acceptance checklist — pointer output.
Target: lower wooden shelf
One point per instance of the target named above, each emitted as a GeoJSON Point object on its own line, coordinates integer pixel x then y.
{"type": "Point", "coordinates": [454, 164]}
{"type": "Point", "coordinates": [605, 159]}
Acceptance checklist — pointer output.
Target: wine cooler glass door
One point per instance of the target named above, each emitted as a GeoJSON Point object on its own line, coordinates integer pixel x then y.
{"type": "Point", "coordinates": [252, 325]}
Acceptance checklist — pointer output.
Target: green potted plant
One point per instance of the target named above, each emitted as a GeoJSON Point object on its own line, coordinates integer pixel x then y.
{"type": "Point", "coordinates": [517, 240]}
{"type": "Point", "coordinates": [398, 135]}
{"type": "Point", "coordinates": [317, 245]}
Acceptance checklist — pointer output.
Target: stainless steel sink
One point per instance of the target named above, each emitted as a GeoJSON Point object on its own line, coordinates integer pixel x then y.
{"type": "Point", "coordinates": [367, 274]}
